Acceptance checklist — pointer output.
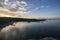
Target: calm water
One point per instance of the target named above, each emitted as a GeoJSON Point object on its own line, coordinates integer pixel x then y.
{"type": "Point", "coordinates": [42, 29]}
{"type": "Point", "coordinates": [31, 30]}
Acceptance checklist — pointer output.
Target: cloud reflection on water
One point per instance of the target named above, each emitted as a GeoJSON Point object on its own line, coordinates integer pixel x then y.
{"type": "Point", "coordinates": [24, 30]}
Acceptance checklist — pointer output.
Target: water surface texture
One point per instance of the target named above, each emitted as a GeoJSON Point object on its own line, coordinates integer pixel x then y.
{"type": "Point", "coordinates": [31, 30]}
{"type": "Point", "coordinates": [46, 28]}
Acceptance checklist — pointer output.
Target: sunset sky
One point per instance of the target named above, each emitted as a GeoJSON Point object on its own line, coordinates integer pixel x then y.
{"type": "Point", "coordinates": [38, 8]}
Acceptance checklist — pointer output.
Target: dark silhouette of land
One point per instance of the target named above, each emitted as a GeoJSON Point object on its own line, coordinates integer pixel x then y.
{"type": "Point", "coordinates": [5, 21]}
{"type": "Point", "coordinates": [33, 32]}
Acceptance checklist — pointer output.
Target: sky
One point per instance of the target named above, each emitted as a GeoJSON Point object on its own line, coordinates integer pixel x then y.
{"type": "Point", "coordinates": [36, 8]}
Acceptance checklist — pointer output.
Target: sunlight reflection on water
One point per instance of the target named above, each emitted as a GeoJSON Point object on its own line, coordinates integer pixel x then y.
{"type": "Point", "coordinates": [21, 30]}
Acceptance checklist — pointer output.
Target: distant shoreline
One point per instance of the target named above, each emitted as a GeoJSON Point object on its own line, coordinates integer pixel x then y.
{"type": "Point", "coordinates": [4, 21]}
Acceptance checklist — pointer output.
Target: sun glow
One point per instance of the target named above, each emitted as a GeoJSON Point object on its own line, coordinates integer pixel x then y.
{"type": "Point", "coordinates": [8, 14]}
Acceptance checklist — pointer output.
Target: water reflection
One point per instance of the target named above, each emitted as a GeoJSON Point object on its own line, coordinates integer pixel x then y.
{"type": "Point", "coordinates": [18, 25]}
{"type": "Point", "coordinates": [33, 30]}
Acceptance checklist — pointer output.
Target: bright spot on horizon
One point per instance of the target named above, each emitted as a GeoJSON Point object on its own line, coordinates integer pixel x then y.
{"type": "Point", "coordinates": [38, 8]}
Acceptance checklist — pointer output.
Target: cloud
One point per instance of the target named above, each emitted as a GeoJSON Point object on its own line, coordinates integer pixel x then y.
{"type": "Point", "coordinates": [13, 6]}
{"type": "Point", "coordinates": [37, 8]}
{"type": "Point", "coordinates": [47, 6]}
{"type": "Point", "coordinates": [24, 3]}
{"type": "Point", "coordinates": [6, 2]}
{"type": "Point", "coordinates": [3, 9]}
{"type": "Point", "coordinates": [1, 3]}
{"type": "Point", "coordinates": [34, 10]}
{"type": "Point", "coordinates": [19, 6]}
{"type": "Point", "coordinates": [42, 6]}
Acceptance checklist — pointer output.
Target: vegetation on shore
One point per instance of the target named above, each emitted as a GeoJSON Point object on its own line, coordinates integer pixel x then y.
{"type": "Point", "coordinates": [4, 21]}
